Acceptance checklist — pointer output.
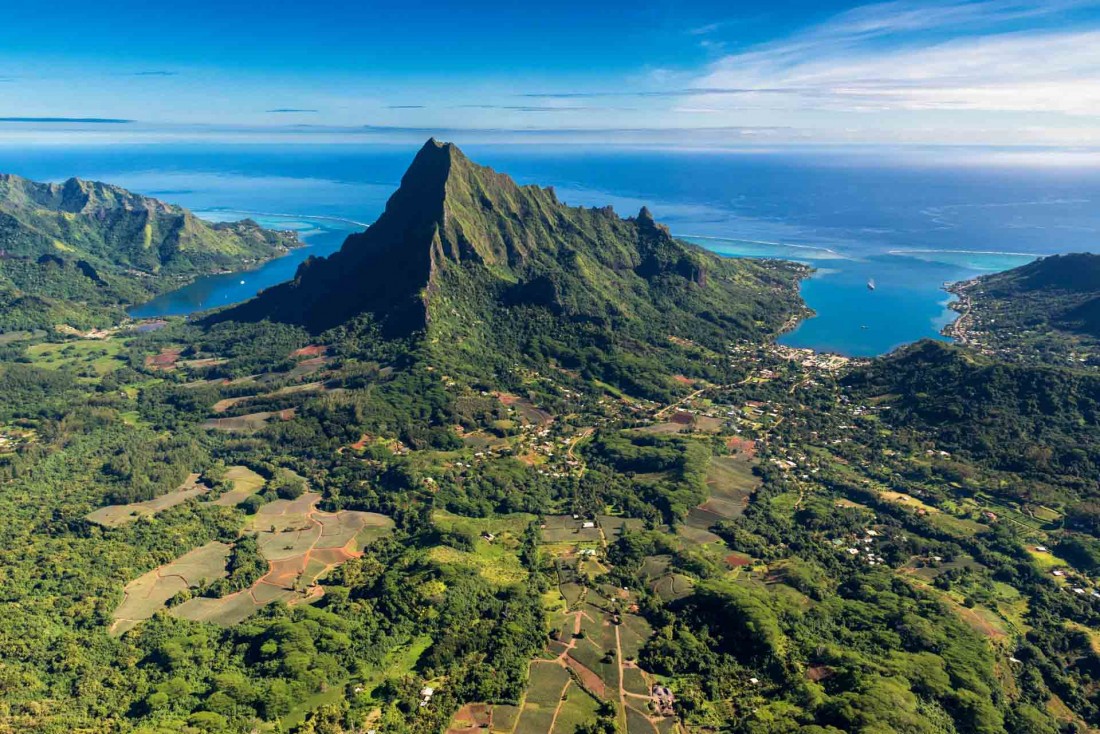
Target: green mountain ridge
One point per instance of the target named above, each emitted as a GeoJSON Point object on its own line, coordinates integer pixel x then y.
{"type": "Point", "coordinates": [1047, 311]}
{"type": "Point", "coordinates": [79, 251]}
{"type": "Point", "coordinates": [1063, 290]}
{"type": "Point", "coordinates": [485, 270]}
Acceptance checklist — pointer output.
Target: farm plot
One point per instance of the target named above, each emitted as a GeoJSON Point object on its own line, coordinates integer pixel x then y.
{"type": "Point", "coordinates": [301, 545]}
{"type": "Point", "coordinates": [113, 516]}
{"type": "Point", "coordinates": [568, 529]}
{"type": "Point", "coordinates": [731, 484]}
{"type": "Point", "coordinates": [309, 387]}
{"type": "Point", "coordinates": [249, 423]}
{"type": "Point", "coordinates": [547, 684]}
{"type": "Point", "coordinates": [245, 484]}
{"type": "Point", "coordinates": [147, 594]}
{"type": "Point", "coordinates": [471, 717]}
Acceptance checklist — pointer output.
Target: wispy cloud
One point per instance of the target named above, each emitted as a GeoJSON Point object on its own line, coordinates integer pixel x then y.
{"type": "Point", "coordinates": [153, 72]}
{"type": "Point", "coordinates": [991, 56]}
{"type": "Point", "coordinates": [81, 120]}
{"type": "Point", "coordinates": [915, 56]}
{"type": "Point", "coordinates": [290, 110]}
{"type": "Point", "coordinates": [539, 108]}
{"type": "Point", "coordinates": [404, 107]}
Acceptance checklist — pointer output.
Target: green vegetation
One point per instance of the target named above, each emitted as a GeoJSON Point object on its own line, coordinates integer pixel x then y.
{"type": "Point", "coordinates": [1047, 311]}
{"type": "Point", "coordinates": [567, 484]}
{"type": "Point", "coordinates": [76, 253]}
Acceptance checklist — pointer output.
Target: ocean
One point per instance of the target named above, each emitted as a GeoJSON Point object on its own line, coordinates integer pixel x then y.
{"type": "Point", "coordinates": [907, 224]}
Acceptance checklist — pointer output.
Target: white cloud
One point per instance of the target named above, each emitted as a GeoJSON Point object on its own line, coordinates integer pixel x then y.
{"type": "Point", "coordinates": [903, 56]}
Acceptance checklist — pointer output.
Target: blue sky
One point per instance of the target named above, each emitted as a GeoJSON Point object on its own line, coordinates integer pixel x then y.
{"type": "Point", "coordinates": [991, 72]}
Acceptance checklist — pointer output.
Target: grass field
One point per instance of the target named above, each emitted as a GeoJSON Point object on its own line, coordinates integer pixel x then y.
{"type": "Point", "coordinates": [245, 484]}
{"type": "Point", "coordinates": [103, 355]}
{"type": "Point", "coordinates": [113, 516]}
{"type": "Point", "coordinates": [491, 561]}
{"type": "Point", "coordinates": [566, 529]}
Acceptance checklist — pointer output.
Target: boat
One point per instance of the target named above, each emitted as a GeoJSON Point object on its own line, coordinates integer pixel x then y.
{"type": "Point", "coordinates": [871, 284]}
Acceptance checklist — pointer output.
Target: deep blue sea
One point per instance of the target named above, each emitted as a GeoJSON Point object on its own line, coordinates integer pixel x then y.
{"type": "Point", "coordinates": [909, 225]}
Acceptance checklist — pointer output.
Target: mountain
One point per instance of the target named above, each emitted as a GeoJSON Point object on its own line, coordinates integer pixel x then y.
{"type": "Point", "coordinates": [1029, 418]}
{"type": "Point", "coordinates": [77, 247]}
{"type": "Point", "coordinates": [484, 268]}
{"type": "Point", "coordinates": [1047, 310]}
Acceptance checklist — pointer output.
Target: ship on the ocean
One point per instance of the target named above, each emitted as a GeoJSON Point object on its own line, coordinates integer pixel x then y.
{"type": "Point", "coordinates": [871, 284]}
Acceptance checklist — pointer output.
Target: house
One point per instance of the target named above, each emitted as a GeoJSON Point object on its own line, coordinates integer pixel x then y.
{"type": "Point", "coordinates": [1058, 572]}
{"type": "Point", "coordinates": [588, 524]}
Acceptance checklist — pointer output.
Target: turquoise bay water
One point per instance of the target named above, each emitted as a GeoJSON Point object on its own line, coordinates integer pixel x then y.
{"type": "Point", "coordinates": [320, 238]}
{"type": "Point", "coordinates": [907, 303]}
{"type": "Point", "coordinates": [910, 227]}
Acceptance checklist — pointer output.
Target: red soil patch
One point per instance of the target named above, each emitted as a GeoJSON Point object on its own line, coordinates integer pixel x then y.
{"type": "Point", "coordinates": [734, 560]}
{"type": "Point", "coordinates": [588, 679]}
{"type": "Point", "coordinates": [166, 360]}
{"type": "Point", "coordinates": [819, 672]}
{"type": "Point", "coordinates": [683, 419]}
{"type": "Point", "coordinates": [471, 716]}
{"type": "Point", "coordinates": [362, 442]}
{"type": "Point", "coordinates": [507, 398]}
{"type": "Point", "coordinates": [745, 446]}
{"type": "Point", "coordinates": [332, 556]}
{"type": "Point", "coordinates": [313, 350]}
{"type": "Point", "coordinates": [683, 380]}
{"type": "Point", "coordinates": [284, 573]}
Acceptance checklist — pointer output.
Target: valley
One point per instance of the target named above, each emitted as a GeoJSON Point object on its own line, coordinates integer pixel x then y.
{"type": "Point", "coordinates": [544, 470]}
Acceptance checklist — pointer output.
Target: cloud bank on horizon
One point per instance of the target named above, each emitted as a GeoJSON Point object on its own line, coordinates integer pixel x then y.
{"type": "Point", "coordinates": [986, 72]}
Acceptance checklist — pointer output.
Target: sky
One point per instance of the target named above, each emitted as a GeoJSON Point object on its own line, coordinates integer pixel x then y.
{"type": "Point", "coordinates": [1010, 73]}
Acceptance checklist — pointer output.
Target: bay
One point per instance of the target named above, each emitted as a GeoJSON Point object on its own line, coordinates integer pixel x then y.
{"type": "Point", "coordinates": [908, 222]}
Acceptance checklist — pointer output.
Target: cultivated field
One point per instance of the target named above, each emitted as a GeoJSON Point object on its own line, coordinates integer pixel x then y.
{"type": "Point", "coordinates": [113, 516]}
{"type": "Point", "coordinates": [249, 423]}
{"type": "Point", "coordinates": [301, 544]}
{"type": "Point", "coordinates": [146, 595]}
{"type": "Point", "coordinates": [731, 484]}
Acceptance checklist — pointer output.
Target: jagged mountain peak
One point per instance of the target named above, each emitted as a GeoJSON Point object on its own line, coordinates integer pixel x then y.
{"type": "Point", "coordinates": [459, 242]}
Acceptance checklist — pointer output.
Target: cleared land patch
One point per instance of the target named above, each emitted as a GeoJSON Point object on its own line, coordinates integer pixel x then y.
{"type": "Point", "coordinates": [300, 543]}
{"type": "Point", "coordinates": [113, 516]}
{"type": "Point", "coordinates": [249, 423]}
{"type": "Point", "coordinates": [147, 594]}
{"type": "Point", "coordinates": [731, 484]}
{"type": "Point", "coordinates": [245, 484]}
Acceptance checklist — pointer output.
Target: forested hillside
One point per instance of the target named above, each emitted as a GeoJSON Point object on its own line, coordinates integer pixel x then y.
{"type": "Point", "coordinates": [1045, 311]}
{"type": "Point", "coordinates": [79, 251]}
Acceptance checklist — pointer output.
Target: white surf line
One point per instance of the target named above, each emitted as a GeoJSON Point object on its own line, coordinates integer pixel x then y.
{"type": "Point", "coordinates": [965, 252]}
{"type": "Point", "coordinates": [758, 242]}
{"type": "Point", "coordinates": [286, 215]}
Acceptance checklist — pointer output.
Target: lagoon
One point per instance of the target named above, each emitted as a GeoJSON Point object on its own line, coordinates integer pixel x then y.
{"type": "Point", "coordinates": [911, 223]}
